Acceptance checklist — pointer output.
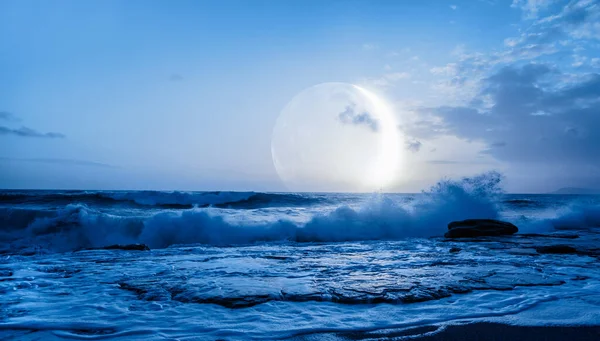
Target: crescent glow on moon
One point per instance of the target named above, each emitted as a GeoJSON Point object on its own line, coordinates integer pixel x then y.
{"type": "Point", "coordinates": [336, 137]}
{"type": "Point", "coordinates": [385, 169]}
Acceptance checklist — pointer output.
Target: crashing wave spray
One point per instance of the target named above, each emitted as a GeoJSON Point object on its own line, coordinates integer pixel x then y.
{"type": "Point", "coordinates": [77, 226]}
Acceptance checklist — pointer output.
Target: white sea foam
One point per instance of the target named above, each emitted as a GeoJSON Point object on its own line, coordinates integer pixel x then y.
{"type": "Point", "coordinates": [323, 263]}
{"type": "Point", "coordinates": [380, 217]}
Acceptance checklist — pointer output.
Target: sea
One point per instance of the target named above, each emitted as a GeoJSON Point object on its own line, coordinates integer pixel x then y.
{"type": "Point", "coordinates": [298, 266]}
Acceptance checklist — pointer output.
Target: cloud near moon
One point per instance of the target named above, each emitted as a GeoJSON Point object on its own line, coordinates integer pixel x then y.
{"type": "Point", "coordinates": [350, 116]}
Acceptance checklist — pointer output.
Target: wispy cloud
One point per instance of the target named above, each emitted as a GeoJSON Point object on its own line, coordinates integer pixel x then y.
{"type": "Point", "coordinates": [413, 145]}
{"type": "Point", "coordinates": [456, 162]}
{"type": "Point", "coordinates": [450, 69]}
{"type": "Point", "coordinates": [67, 162]}
{"type": "Point", "coordinates": [176, 77]}
{"type": "Point", "coordinates": [573, 29]}
{"type": "Point", "coordinates": [531, 8]}
{"type": "Point", "coordinates": [453, 7]}
{"type": "Point", "coordinates": [443, 162]}
{"type": "Point", "coordinates": [388, 79]}
{"type": "Point", "coordinates": [23, 131]}
{"type": "Point", "coordinates": [351, 116]}
{"type": "Point", "coordinates": [28, 132]}
{"type": "Point", "coordinates": [5, 115]}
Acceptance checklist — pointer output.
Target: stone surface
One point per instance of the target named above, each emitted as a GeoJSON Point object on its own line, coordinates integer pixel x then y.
{"type": "Point", "coordinates": [479, 228]}
{"type": "Point", "coordinates": [130, 247]}
{"type": "Point", "coordinates": [127, 247]}
{"type": "Point", "coordinates": [556, 249]}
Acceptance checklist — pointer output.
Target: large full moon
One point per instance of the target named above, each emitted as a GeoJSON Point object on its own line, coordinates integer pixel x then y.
{"type": "Point", "coordinates": [336, 137]}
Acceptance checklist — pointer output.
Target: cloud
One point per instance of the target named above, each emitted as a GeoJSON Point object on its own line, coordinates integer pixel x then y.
{"type": "Point", "coordinates": [442, 162]}
{"type": "Point", "coordinates": [68, 162]}
{"type": "Point", "coordinates": [531, 8]}
{"type": "Point", "coordinates": [532, 104]}
{"type": "Point", "coordinates": [388, 79]}
{"type": "Point", "coordinates": [579, 18]}
{"type": "Point", "coordinates": [396, 76]}
{"type": "Point", "coordinates": [176, 77]}
{"type": "Point", "coordinates": [5, 115]}
{"type": "Point", "coordinates": [572, 30]}
{"type": "Point", "coordinates": [456, 162]}
{"type": "Point", "coordinates": [23, 131]}
{"type": "Point", "coordinates": [579, 61]}
{"type": "Point", "coordinates": [493, 145]}
{"type": "Point", "coordinates": [453, 7]}
{"type": "Point", "coordinates": [449, 69]}
{"type": "Point", "coordinates": [513, 127]}
{"type": "Point", "coordinates": [350, 116]}
{"type": "Point", "coordinates": [28, 132]}
{"type": "Point", "coordinates": [413, 145]}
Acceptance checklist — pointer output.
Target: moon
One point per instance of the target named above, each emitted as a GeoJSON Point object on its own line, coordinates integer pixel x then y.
{"type": "Point", "coordinates": [336, 137]}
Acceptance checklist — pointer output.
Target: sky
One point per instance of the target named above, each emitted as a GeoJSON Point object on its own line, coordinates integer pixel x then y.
{"type": "Point", "coordinates": [184, 95]}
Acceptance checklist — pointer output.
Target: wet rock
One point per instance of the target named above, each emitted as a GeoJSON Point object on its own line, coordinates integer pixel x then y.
{"type": "Point", "coordinates": [274, 257]}
{"type": "Point", "coordinates": [176, 206]}
{"type": "Point", "coordinates": [127, 247]}
{"type": "Point", "coordinates": [556, 249]}
{"type": "Point", "coordinates": [479, 228]}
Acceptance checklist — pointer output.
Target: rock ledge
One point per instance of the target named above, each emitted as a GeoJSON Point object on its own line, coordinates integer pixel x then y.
{"type": "Point", "coordinates": [479, 228]}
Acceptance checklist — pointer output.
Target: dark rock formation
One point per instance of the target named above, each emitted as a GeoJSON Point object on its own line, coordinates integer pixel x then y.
{"type": "Point", "coordinates": [479, 227]}
{"type": "Point", "coordinates": [556, 249]}
{"type": "Point", "coordinates": [127, 247]}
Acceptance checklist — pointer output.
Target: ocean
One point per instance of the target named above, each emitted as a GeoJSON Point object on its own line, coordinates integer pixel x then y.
{"type": "Point", "coordinates": [302, 266]}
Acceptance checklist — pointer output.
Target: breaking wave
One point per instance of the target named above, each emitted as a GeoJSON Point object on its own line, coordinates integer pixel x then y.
{"type": "Point", "coordinates": [578, 216]}
{"type": "Point", "coordinates": [158, 199]}
{"type": "Point", "coordinates": [79, 225]}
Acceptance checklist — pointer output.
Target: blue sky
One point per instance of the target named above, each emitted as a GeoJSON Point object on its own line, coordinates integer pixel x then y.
{"type": "Point", "coordinates": [184, 94]}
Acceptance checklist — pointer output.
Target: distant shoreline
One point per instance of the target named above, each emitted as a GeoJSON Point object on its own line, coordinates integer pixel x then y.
{"type": "Point", "coordinates": [576, 191]}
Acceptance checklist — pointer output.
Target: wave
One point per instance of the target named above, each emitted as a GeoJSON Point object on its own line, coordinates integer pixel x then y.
{"type": "Point", "coordinates": [80, 226]}
{"type": "Point", "coordinates": [77, 226]}
{"type": "Point", "coordinates": [159, 199]}
{"type": "Point", "coordinates": [578, 216]}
